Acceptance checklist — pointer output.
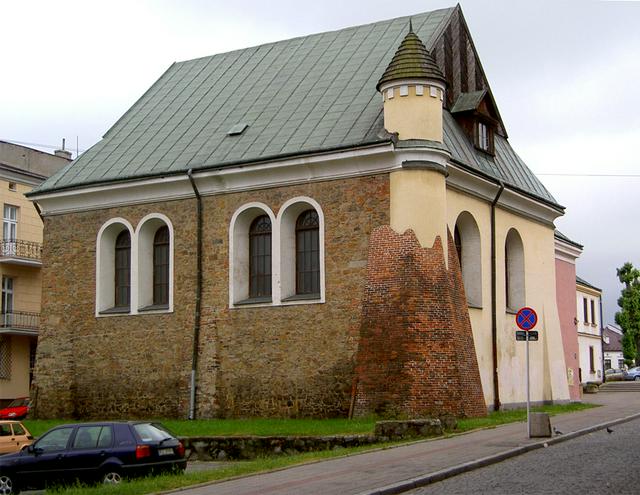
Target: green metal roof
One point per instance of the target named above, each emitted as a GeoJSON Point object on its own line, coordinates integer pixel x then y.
{"type": "Point", "coordinates": [303, 95]}
{"type": "Point", "coordinates": [468, 101]}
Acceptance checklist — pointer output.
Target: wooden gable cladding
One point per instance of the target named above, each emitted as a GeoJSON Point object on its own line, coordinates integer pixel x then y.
{"type": "Point", "coordinates": [457, 56]}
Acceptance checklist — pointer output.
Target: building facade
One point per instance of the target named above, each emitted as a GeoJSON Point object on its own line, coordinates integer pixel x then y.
{"type": "Point", "coordinates": [567, 252]}
{"type": "Point", "coordinates": [612, 348]}
{"type": "Point", "coordinates": [588, 303]}
{"type": "Point", "coordinates": [21, 169]}
{"type": "Point", "coordinates": [323, 226]}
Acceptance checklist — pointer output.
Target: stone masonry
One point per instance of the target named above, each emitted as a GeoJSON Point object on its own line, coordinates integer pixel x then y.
{"type": "Point", "coordinates": [265, 361]}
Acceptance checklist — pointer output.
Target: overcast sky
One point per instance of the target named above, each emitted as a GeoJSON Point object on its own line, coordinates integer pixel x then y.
{"type": "Point", "coordinates": [565, 75]}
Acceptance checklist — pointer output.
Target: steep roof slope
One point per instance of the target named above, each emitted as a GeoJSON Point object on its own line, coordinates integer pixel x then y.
{"type": "Point", "coordinates": [303, 95]}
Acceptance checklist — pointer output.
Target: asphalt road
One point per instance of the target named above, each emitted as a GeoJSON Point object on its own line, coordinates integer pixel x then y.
{"type": "Point", "coordinates": [600, 462]}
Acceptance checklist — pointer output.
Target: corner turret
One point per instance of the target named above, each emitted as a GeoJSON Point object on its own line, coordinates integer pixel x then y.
{"type": "Point", "coordinates": [413, 89]}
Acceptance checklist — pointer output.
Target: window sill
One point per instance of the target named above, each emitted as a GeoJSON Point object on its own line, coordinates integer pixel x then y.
{"type": "Point", "coordinates": [154, 307]}
{"type": "Point", "coordinates": [254, 300]}
{"type": "Point", "coordinates": [474, 306]}
{"type": "Point", "coordinates": [301, 297]}
{"type": "Point", "coordinates": [116, 311]}
{"type": "Point", "coordinates": [510, 311]}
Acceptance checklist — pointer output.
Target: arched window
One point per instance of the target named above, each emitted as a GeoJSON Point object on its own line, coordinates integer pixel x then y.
{"type": "Point", "coordinates": [514, 271]}
{"type": "Point", "coordinates": [260, 257]}
{"type": "Point", "coordinates": [123, 270]}
{"type": "Point", "coordinates": [161, 267]}
{"type": "Point", "coordinates": [307, 253]}
{"type": "Point", "coordinates": [467, 241]}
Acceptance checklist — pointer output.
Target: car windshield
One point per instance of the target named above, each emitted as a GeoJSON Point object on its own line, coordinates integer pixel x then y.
{"type": "Point", "coordinates": [19, 403]}
{"type": "Point", "coordinates": [152, 432]}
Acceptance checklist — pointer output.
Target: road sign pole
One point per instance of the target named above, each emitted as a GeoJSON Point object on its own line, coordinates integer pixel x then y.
{"type": "Point", "coordinates": [528, 394]}
{"type": "Point", "coordinates": [526, 319]}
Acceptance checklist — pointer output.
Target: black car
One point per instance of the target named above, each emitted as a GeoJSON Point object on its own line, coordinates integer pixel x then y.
{"type": "Point", "coordinates": [92, 452]}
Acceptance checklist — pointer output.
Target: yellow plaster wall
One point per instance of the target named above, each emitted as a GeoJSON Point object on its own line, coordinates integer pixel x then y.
{"type": "Point", "coordinates": [480, 317]}
{"type": "Point", "coordinates": [548, 381]}
{"type": "Point", "coordinates": [18, 385]}
{"type": "Point", "coordinates": [27, 289]}
{"type": "Point", "coordinates": [418, 202]}
{"type": "Point", "coordinates": [547, 372]}
{"type": "Point", "coordinates": [27, 286]}
{"type": "Point", "coordinates": [412, 116]}
{"type": "Point", "coordinates": [29, 223]}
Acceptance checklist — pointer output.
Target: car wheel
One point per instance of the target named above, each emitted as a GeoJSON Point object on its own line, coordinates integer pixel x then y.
{"type": "Point", "coordinates": [111, 477]}
{"type": "Point", "coordinates": [7, 486]}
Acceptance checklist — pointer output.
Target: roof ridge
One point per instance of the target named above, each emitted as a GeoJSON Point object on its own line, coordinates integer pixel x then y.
{"type": "Point", "coordinates": [319, 33]}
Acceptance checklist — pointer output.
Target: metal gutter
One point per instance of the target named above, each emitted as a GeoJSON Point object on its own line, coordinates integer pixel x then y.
{"type": "Point", "coordinates": [494, 318]}
{"type": "Point", "coordinates": [197, 315]}
{"type": "Point", "coordinates": [212, 168]}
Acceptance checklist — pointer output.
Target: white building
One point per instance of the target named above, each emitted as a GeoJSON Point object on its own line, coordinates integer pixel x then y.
{"type": "Point", "coordinates": [588, 324]}
{"type": "Point", "coordinates": [612, 347]}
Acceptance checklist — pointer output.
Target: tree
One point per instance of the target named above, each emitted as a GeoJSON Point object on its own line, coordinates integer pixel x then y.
{"type": "Point", "coordinates": [629, 315]}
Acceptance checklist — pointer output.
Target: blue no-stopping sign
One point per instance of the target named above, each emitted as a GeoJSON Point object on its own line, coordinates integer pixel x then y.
{"type": "Point", "coordinates": [526, 318]}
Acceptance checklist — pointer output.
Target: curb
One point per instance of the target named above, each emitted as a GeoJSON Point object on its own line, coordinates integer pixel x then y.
{"type": "Point", "coordinates": [443, 474]}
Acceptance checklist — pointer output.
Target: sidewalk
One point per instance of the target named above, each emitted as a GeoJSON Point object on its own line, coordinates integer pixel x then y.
{"type": "Point", "coordinates": [402, 468]}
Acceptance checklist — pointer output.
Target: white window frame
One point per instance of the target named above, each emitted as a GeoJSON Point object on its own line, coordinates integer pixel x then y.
{"type": "Point", "coordinates": [471, 263]}
{"type": "Point", "coordinates": [105, 266]}
{"type": "Point", "coordinates": [287, 217]}
{"type": "Point", "coordinates": [143, 240]}
{"type": "Point", "coordinates": [515, 270]}
{"type": "Point", "coordinates": [141, 264]}
{"type": "Point", "coordinates": [10, 229]}
{"type": "Point", "coordinates": [282, 252]}
{"type": "Point", "coordinates": [239, 254]}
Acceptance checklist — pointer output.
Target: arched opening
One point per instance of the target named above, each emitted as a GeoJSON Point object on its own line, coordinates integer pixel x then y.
{"type": "Point", "coordinates": [468, 247]}
{"type": "Point", "coordinates": [514, 271]}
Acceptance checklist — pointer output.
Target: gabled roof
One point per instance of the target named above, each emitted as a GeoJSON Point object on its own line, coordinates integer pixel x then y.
{"type": "Point", "coordinates": [299, 96]}
{"type": "Point", "coordinates": [615, 340]}
{"type": "Point", "coordinates": [584, 283]}
{"type": "Point", "coordinates": [559, 235]}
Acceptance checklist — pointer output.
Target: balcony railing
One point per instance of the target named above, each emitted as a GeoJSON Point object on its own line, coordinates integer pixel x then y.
{"type": "Point", "coordinates": [14, 248]}
{"type": "Point", "coordinates": [20, 320]}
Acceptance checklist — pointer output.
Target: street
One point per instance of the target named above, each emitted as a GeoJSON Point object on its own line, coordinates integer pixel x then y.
{"type": "Point", "coordinates": [599, 462]}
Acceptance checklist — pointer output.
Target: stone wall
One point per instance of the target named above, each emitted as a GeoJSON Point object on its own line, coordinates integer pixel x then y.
{"type": "Point", "coordinates": [252, 447]}
{"type": "Point", "coordinates": [260, 361]}
{"type": "Point", "coordinates": [416, 356]}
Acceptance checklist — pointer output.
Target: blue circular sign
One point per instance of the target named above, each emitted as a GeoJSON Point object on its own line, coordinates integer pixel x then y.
{"type": "Point", "coordinates": [526, 319]}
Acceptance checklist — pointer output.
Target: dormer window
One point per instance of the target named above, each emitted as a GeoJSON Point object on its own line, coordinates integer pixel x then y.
{"type": "Point", "coordinates": [476, 114]}
{"type": "Point", "coordinates": [484, 137]}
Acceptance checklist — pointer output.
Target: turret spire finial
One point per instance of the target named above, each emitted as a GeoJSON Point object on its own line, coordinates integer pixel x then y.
{"type": "Point", "coordinates": [410, 26]}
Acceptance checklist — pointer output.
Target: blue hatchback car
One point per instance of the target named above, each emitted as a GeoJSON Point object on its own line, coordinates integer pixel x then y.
{"type": "Point", "coordinates": [92, 452]}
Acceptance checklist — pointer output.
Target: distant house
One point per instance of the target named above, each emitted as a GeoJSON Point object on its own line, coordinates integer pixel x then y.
{"type": "Point", "coordinates": [566, 253]}
{"type": "Point", "coordinates": [589, 321]}
{"type": "Point", "coordinates": [21, 169]}
{"type": "Point", "coordinates": [612, 347]}
{"type": "Point", "coordinates": [326, 225]}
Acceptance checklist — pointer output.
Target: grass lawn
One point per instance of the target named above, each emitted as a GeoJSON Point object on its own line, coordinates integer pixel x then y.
{"type": "Point", "coordinates": [274, 427]}
{"type": "Point", "coordinates": [313, 427]}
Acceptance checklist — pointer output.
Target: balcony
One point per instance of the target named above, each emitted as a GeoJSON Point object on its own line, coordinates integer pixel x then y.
{"type": "Point", "coordinates": [18, 252]}
{"type": "Point", "coordinates": [19, 323]}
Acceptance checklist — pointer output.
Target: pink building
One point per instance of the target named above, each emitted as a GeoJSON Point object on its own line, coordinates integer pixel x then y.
{"type": "Point", "coordinates": [567, 251]}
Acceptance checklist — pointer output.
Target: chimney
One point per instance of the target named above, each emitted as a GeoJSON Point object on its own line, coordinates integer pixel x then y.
{"type": "Point", "coordinates": [62, 153]}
